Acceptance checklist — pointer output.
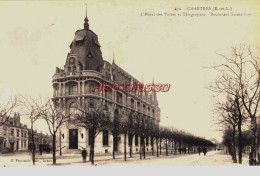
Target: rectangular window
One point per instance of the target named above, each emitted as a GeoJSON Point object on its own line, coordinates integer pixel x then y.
{"type": "Point", "coordinates": [12, 132]}
{"type": "Point", "coordinates": [21, 133]}
{"type": "Point", "coordinates": [136, 139]}
{"type": "Point", "coordinates": [147, 141]}
{"type": "Point", "coordinates": [5, 129]}
{"type": "Point", "coordinates": [25, 135]}
{"type": "Point", "coordinates": [17, 131]}
{"type": "Point", "coordinates": [105, 137]}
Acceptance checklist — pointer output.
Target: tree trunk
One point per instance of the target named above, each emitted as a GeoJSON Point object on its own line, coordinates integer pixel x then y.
{"type": "Point", "coordinates": [92, 146]}
{"type": "Point", "coordinates": [175, 147]}
{"type": "Point", "coordinates": [160, 146]}
{"type": "Point", "coordinates": [93, 151]}
{"type": "Point", "coordinates": [254, 144]}
{"type": "Point", "coordinates": [172, 147]}
{"type": "Point", "coordinates": [60, 145]}
{"type": "Point", "coordinates": [152, 145]}
{"type": "Point", "coordinates": [240, 145]}
{"type": "Point", "coordinates": [131, 151]}
{"type": "Point", "coordinates": [144, 146]}
{"type": "Point", "coordinates": [114, 144]}
{"type": "Point", "coordinates": [166, 147]}
{"type": "Point", "coordinates": [125, 146]}
{"type": "Point", "coordinates": [54, 148]}
{"type": "Point", "coordinates": [140, 147]}
{"type": "Point", "coordinates": [180, 147]}
{"type": "Point", "coordinates": [234, 145]}
{"type": "Point", "coordinates": [33, 146]}
{"type": "Point", "coordinates": [130, 145]}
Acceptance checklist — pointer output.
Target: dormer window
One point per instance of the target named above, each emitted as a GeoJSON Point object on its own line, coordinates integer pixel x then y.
{"type": "Point", "coordinates": [72, 61]}
{"type": "Point", "coordinates": [80, 43]}
{"type": "Point", "coordinates": [90, 56]}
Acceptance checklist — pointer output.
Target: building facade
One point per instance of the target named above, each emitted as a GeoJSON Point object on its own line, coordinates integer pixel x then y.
{"type": "Point", "coordinates": [84, 68]}
{"type": "Point", "coordinates": [14, 135]}
{"type": "Point", "coordinates": [40, 141]}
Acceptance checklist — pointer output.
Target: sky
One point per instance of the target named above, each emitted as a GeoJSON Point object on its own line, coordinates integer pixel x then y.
{"type": "Point", "coordinates": [35, 38]}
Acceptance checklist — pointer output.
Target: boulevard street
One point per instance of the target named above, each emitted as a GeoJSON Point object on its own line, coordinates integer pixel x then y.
{"type": "Point", "coordinates": [213, 158]}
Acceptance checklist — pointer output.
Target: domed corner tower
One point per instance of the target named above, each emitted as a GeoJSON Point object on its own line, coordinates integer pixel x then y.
{"type": "Point", "coordinates": [85, 52]}
{"type": "Point", "coordinates": [74, 83]}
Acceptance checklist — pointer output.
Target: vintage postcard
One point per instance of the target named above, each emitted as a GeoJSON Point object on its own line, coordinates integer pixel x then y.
{"type": "Point", "coordinates": [130, 83]}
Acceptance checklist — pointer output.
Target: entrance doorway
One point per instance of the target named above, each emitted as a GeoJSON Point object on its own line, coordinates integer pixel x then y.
{"type": "Point", "coordinates": [12, 146]}
{"type": "Point", "coordinates": [73, 138]}
{"type": "Point", "coordinates": [17, 146]}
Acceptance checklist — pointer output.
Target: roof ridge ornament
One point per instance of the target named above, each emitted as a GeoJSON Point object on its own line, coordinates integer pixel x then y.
{"type": "Point", "coordinates": [86, 25]}
{"type": "Point", "coordinates": [113, 57]}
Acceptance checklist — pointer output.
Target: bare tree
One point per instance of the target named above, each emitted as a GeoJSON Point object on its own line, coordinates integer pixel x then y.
{"type": "Point", "coordinates": [31, 110]}
{"type": "Point", "coordinates": [55, 116]}
{"type": "Point", "coordinates": [93, 119]}
{"type": "Point", "coordinates": [241, 72]}
{"type": "Point", "coordinates": [113, 124]}
{"type": "Point", "coordinates": [127, 128]}
{"type": "Point", "coordinates": [7, 109]}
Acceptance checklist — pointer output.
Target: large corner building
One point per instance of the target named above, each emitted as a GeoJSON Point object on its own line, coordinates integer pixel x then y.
{"type": "Point", "coordinates": [84, 67]}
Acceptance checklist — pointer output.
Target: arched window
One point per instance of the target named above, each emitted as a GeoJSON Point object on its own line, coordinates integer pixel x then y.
{"type": "Point", "coordinates": [148, 110]}
{"type": "Point", "coordinates": [105, 107]}
{"type": "Point", "coordinates": [138, 106]}
{"type": "Point", "coordinates": [73, 89]}
{"type": "Point", "coordinates": [108, 92]}
{"type": "Point", "coordinates": [119, 98]}
{"type": "Point", "coordinates": [80, 66]}
{"type": "Point", "coordinates": [74, 68]}
{"type": "Point", "coordinates": [132, 103]}
{"type": "Point", "coordinates": [144, 110]}
{"type": "Point", "coordinates": [73, 111]}
{"type": "Point", "coordinates": [116, 115]}
{"type": "Point", "coordinates": [91, 106]}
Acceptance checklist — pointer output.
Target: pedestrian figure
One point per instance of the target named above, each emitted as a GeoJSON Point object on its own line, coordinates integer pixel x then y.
{"type": "Point", "coordinates": [199, 150]}
{"type": "Point", "coordinates": [84, 154]}
{"type": "Point", "coordinates": [204, 151]}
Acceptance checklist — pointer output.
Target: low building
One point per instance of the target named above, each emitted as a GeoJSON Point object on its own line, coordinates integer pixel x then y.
{"type": "Point", "coordinates": [14, 135]}
{"type": "Point", "coordinates": [40, 139]}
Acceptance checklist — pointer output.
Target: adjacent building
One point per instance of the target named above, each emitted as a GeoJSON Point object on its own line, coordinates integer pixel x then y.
{"type": "Point", "coordinates": [14, 135]}
{"type": "Point", "coordinates": [84, 68]}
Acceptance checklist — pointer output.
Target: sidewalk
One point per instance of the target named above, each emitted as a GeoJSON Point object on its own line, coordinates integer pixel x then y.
{"type": "Point", "coordinates": [25, 159]}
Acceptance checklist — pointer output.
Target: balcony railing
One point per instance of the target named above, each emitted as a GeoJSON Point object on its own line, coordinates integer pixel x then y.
{"type": "Point", "coordinates": [91, 73]}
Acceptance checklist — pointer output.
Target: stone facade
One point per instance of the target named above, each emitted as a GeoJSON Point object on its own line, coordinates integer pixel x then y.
{"type": "Point", "coordinates": [39, 139]}
{"type": "Point", "coordinates": [84, 68]}
{"type": "Point", "coordinates": [14, 135]}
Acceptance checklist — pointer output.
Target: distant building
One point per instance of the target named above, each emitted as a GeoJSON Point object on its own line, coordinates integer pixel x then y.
{"type": "Point", "coordinates": [14, 135]}
{"type": "Point", "coordinates": [39, 139]}
{"type": "Point", "coordinates": [84, 68]}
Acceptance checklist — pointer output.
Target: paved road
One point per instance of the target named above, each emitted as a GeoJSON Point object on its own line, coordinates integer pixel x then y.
{"type": "Point", "coordinates": [213, 158]}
